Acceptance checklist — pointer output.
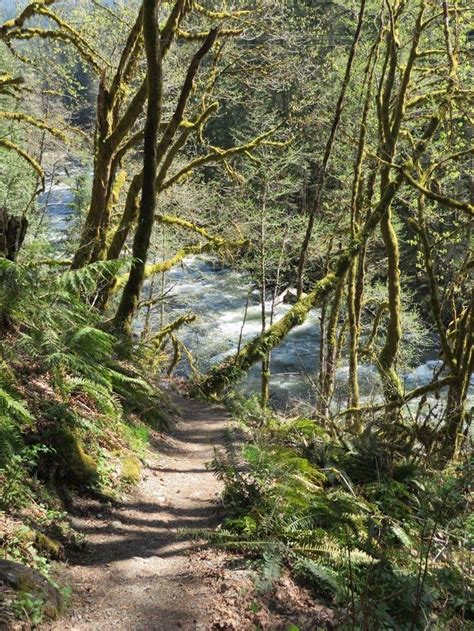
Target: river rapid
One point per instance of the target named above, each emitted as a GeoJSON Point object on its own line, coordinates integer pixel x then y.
{"type": "Point", "coordinates": [228, 312]}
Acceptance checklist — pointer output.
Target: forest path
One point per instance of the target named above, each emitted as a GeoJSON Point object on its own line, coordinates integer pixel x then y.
{"type": "Point", "coordinates": [139, 572]}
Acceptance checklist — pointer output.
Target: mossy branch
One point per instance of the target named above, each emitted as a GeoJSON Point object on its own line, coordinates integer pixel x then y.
{"type": "Point", "coordinates": [170, 328]}
{"type": "Point", "coordinates": [436, 197]}
{"type": "Point", "coordinates": [187, 250]}
{"type": "Point", "coordinates": [30, 33]}
{"type": "Point", "coordinates": [217, 155]}
{"type": "Point", "coordinates": [35, 122]}
{"type": "Point", "coordinates": [10, 146]}
{"type": "Point", "coordinates": [403, 400]}
{"type": "Point", "coordinates": [220, 15]}
{"type": "Point", "coordinates": [202, 35]}
{"type": "Point", "coordinates": [189, 225]}
{"type": "Point", "coordinates": [28, 12]}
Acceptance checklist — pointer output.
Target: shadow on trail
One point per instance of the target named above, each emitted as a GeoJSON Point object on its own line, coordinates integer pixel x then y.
{"type": "Point", "coordinates": [175, 499]}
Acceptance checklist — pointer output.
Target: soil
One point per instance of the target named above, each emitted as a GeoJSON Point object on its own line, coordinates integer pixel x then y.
{"type": "Point", "coordinates": [143, 569]}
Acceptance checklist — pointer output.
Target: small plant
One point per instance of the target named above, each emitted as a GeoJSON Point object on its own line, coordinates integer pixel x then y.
{"type": "Point", "coordinates": [15, 489]}
{"type": "Point", "coordinates": [26, 607]}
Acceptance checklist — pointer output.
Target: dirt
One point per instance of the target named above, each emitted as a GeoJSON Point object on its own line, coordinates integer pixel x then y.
{"type": "Point", "coordinates": [142, 568]}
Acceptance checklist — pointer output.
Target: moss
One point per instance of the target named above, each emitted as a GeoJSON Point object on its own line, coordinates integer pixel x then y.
{"type": "Point", "coordinates": [131, 469]}
{"type": "Point", "coordinates": [48, 546]}
{"type": "Point", "coordinates": [74, 463]}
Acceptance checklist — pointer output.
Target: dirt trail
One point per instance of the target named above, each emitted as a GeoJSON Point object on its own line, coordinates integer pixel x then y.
{"type": "Point", "coordinates": [138, 572]}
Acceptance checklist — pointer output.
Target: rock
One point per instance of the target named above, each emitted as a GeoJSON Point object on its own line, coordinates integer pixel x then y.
{"type": "Point", "coordinates": [290, 296]}
{"type": "Point", "coordinates": [116, 525]}
{"type": "Point", "coordinates": [26, 581]}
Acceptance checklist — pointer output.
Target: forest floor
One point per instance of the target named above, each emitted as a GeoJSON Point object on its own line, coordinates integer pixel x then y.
{"type": "Point", "coordinates": [141, 571]}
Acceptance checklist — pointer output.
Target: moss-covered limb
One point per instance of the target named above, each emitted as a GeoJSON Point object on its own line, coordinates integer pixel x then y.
{"type": "Point", "coordinates": [28, 12]}
{"type": "Point", "coordinates": [221, 15]}
{"type": "Point", "coordinates": [391, 122]}
{"type": "Point", "coordinates": [189, 225]}
{"type": "Point", "coordinates": [435, 298]}
{"type": "Point", "coordinates": [217, 155]}
{"type": "Point", "coordinates": [77, 38]}
{"type": "Point", "coordinates": [203, 35]}
{"type": "Point", "coordinates": [8, 82]}
{"type": "Point", "coordinates": [400, 108]}
{"type": "Point", "coordinates": [34, 122]}
{"type": "Point", "coordinates": [187, 129]}
{"type": "Point", "coordinates": [186, 89]}
{"type": "Point", "coordinates": [353, 337]}
{"type": "Point", "coordinates": [389, 351]}
{"type": "Point", "coordinates": [128, 217]}
{"type": "Point", "coordinates": [355, 282]}
{"type": "Point", "coordinates": [448, 202]}
{"type": "Point", "coordinates": [329, 366]}
{"type": "Point", "coordinates": [10, 146]}
{"type": "Point", "coordinates": [382, 309]}
{"type": "Point", "coordinates": [235, 366]}
{"type": "Point", "coordinates": [170, 329]}
{"type": "Point", "coordinates": [141, 242]}
{"type": "Point", "coordinates": [57, 34]}
{"type": "Point", "coordinates": [181, 254]}
{"type": "Point", "coordinates": [459, 95]}
{"type": "Point", "coordinates": [458, 155]}
{"type": "Point", "coordinates": [328, 150]}
{"type": "Point", "coordinates": [456, 413]}
{"type": "Point", "coordinates": [176, 355]}
{"type": "Point", "coordinates": [100, 188]}
{"type": "Point", "coordinates": [129, 51]}
{"type": "Point", "coordinates": [397, 403]}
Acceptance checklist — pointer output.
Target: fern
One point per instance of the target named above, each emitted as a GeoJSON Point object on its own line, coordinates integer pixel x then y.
{"type": "Point", "coordinates": [325, 577]}
{"type": "Point", "coordinates": [10, 439]}
{"type": "Point", "coordinates": [271, 569]}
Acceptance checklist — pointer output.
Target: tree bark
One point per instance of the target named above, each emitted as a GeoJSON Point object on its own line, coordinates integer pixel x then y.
{"type": "Point", "coordinates": [141, 242]}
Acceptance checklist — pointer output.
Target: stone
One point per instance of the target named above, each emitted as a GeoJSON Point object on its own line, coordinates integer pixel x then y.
{"type": "Point", "coordinates": [116, 525]}
{"type": "Point", "coordinates": [24, 580]}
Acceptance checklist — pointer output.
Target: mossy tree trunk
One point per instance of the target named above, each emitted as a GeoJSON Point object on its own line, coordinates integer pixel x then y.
{"type": "Point", "coordinates": [390, 121]}
{"type": "Point", "coordinates": [141, 242]}
{"type": "Point", "coordinates": [323, 170]}
{"type": "Point", "coordinates": [331, 353]}
{"type": "Point", "coordinates": [355, 277]}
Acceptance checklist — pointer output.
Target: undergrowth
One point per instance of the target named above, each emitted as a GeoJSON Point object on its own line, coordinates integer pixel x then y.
{"type": "Point", "coordinates": [75, 416]}
{"type": "Point", "coordinates": [383, 539]}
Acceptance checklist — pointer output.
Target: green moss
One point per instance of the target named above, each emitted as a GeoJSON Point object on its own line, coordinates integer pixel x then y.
{"type": "Point", "coordinates": [75, 464]}
{"type": "Point", "coordinates": [131, 469]}
{"type": "Point", "coordinates": [49, 547]}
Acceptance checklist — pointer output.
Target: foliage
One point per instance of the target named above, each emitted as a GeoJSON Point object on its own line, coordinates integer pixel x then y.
{"type": "Point", "coordinates": [382, 538]}
{"type": "Point", "coordinates": [69, 407]}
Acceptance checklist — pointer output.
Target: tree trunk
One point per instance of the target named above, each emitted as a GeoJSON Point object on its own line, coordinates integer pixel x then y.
{"type": "Point", "coordinates": [141, 242]}
{"type": "Point", "coordinates": [12, 234]}
{"type": "Point", "coordinates": [101, 182]}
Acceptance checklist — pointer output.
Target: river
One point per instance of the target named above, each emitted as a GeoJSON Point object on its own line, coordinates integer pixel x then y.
{"type": "Point", "coordinates": [217, 295]}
